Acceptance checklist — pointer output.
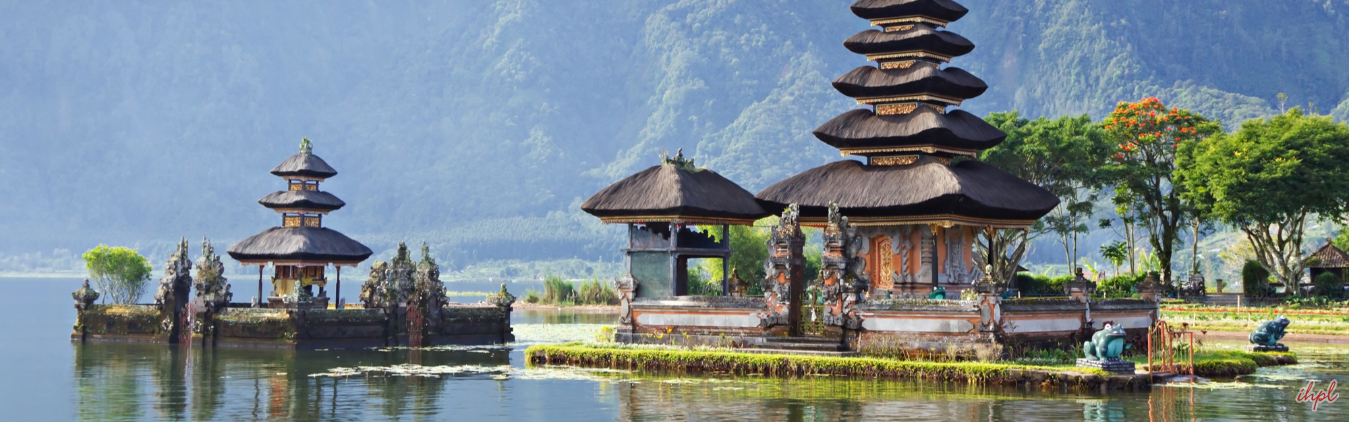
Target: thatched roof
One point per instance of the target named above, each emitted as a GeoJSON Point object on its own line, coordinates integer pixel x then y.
{"type": "Point", "coordinates": [304, 165]}
{"type": "Point", "coordinates": [921, 37]}
{"type": "Point", "coordinates": [1329, 256]}
{"type": "Point", "coordinates": [924, 126]}
{"type": "Point", "coordinates": [299, 244]}
{"type": "Point", "coordinates": [951, 82]}
{"type": "Point", "coordinates": [968, 192]}
{"type": "Point", "coordinates": [945, 10]}
{"type": "Point", "coordinates": [302, 199]}
{"type": "Point", "coordinates": [668, 192]}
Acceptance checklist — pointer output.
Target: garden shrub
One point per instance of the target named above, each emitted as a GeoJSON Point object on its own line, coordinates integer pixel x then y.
{"type": "Point", "coordinates": [1328, 285]}
{"type": "Point", "coordinates": [1120, 286]}
{"type": "Point", "coordinates": [1254, 280]}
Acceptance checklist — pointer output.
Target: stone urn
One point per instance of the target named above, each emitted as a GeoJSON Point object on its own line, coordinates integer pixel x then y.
{"type": "Point", "coordinates": [85, 296]}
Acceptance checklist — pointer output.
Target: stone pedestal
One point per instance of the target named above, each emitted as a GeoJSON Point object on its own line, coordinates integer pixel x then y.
{"type": "Point", "coordinates": [1257, 348]}
{"type": "Point", "coordinates": [1114, 365]}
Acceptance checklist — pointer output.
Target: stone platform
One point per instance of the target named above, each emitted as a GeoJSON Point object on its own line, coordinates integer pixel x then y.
{"type": "Point", "coordinates": [1113, 365]}
{"type": "Point", "coordinates": [1257, 348]}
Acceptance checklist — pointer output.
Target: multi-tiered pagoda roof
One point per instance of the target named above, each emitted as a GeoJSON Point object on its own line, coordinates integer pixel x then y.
{"type": "Point", "coordinates": [301, 240]}
{"type": "Point", "coordinates": [918, 151]}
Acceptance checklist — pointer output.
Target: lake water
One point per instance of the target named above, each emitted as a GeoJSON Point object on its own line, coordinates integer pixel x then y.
{"type": "Point", "coordinates": [45, 377]}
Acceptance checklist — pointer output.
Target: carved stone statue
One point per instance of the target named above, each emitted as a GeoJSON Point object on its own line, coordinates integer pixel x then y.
{"type": "Point", "coordinates": [1266, 337]}
{"type": "Point", "coordinates": [1105, 348]}
{"type": "Point", "coordinates": [735, 285]}
{"type": "Point", "coordinates": [938, 293]}
{"type": "Point", "coordinates": [1106, 344]}
{"type": "Point", "coordinates": [212, 287]}
{"type": "Point", "coordinates": [85, 296]}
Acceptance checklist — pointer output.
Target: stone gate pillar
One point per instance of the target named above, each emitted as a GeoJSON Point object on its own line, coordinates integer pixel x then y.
{"type": "Point", "coordinates": [172, 296]}
{"type": "Point", "coordinates": [785, 269]}
{"type": "Point", "coordinates": [842, 273]}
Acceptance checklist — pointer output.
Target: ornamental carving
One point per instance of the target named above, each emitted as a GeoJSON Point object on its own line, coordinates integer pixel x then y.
{"type": "Point", "coordinates": [213, 289]}
{"type": "Point", "coordinates": [372, 292]}
{"type": "Point", "coordinates": [177, 278]}
{"type": "Point", "coordinates": [428, 291]}
{"type": "Point", "coordinates": [627, 291]}
{"type": "Point", "coordinates": [894, 160]}
{"type": "Point", "coordinates": [843, 271]}
{"type": "Point", "coordinates": [401, 279]}
{"type": "Point", "coordinates": [899, 28]}
{"type": "Point", "coordinates": [785, 266]}
{"type": "Point", "coordinates": [885, 263]}
{"type": "Point", "coordinates": [894, 109]}
{"type": "Point", "coordinates": [904, 64]}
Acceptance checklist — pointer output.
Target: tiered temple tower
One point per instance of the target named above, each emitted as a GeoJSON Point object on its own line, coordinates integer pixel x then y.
{"type": "Point", "coordinates": [301, 249]}
{"type": "Point", "coordinates": [920, 199]}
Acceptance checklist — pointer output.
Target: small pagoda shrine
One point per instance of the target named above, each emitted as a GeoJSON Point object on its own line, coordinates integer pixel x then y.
{"type": "Point", "coordinates": [301, 248]}
{"type": "Point", "coordinates": [662, 207]}
{"type": "Point", "coordinates": [1327, 259]}
{"type": "Point", "coordinates": [918, 195]}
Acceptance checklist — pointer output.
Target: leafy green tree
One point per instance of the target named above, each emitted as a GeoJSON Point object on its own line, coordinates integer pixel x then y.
{"type": "Point", "coordinates": [120, 273]}
{"type": "Point", "coordinates": [1268, 179]}
{"type": "Point", "coordinates": [1341, 240]}
{"type": "Point", "coordinates": [1061, 156]}
{"type": "Point", "coordinates": [1146, 136]}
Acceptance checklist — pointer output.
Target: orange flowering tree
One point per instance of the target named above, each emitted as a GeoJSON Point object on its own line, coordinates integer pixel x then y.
{"type": "Point", "coordinates": [1147, 138]}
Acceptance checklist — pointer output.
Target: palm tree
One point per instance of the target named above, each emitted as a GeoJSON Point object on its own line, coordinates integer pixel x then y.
{"type": "Point", "coordinates": [1116, 253]}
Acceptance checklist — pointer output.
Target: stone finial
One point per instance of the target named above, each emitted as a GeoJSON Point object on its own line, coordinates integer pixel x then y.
{"type": "Point", "coordinates": [1149, 287]}
{"type": "Point", "coordinates": [306, 147]}
{"type": "Point", "coordinates": [85, 296]}
{"type": "Point", "coordinates": [503, 298]}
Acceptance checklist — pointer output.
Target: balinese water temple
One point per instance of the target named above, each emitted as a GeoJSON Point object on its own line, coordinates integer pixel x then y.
{"type": "Point", "coordinates": [403, 301]}
{"type": "Point", "coordinates": [301, 249]}
{"type": "Point", "coordinates": [920, 238]}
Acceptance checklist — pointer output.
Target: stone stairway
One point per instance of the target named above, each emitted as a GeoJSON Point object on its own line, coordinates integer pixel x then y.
{"type": "Point", "coordinates": [811, 346]}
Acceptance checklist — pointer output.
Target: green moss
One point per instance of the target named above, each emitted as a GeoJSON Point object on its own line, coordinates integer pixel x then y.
{"type": "Point", "coordinates": [785, 365]}
{"type": "Point", "coordinates": [122, 320]}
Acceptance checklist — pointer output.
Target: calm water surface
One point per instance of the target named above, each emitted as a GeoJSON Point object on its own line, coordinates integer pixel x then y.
{"type": "Point", "coordinates": [45, 377]}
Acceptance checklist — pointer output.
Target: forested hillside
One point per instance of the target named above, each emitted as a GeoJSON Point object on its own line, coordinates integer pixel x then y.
{"type": "Point", "coordinates": [479, 125]}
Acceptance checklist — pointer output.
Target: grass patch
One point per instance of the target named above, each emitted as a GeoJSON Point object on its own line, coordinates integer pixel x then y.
{"type": "Point", "coordinates": [715, 361]}
{"type": "Point", "coordinates": [1227, 363]}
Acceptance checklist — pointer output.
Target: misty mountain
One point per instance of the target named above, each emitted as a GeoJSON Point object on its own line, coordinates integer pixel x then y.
{"type": "Point", "coordinates": [479, 126]}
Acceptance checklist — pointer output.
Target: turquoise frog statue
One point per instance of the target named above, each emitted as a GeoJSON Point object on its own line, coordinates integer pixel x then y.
{"type": "Point", "coordinates": [938, 293]}
{"type": "Point", "coordinates": [1270, 332]}
{"type": "Point", "coordinates": [1106, 344]}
